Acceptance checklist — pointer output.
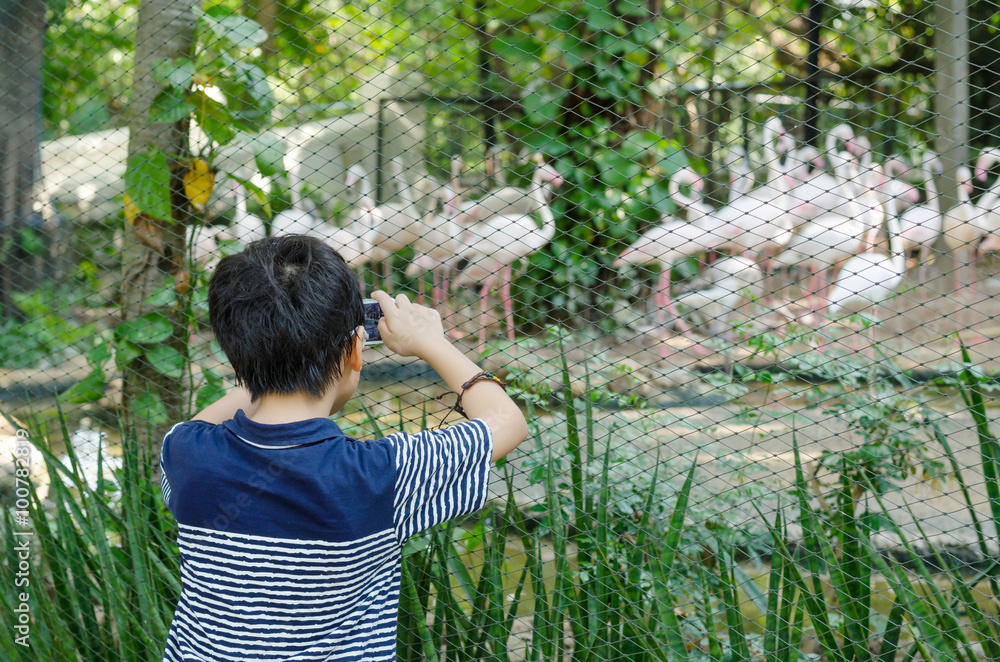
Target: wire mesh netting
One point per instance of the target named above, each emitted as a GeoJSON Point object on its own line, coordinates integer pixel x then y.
{"type": "Point", "coordinates": [735, 261]}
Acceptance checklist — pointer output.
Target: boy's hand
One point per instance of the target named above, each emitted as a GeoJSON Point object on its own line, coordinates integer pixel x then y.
{"type": "Point", "coordinates": [408, 329]}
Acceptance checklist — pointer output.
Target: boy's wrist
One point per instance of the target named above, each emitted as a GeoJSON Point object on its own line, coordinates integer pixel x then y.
{"type": "Point", "coordinates": [432, 348]}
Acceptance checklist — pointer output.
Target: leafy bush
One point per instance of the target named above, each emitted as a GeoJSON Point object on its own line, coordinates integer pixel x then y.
{"type": "Point", "coordinates": [44, 335]}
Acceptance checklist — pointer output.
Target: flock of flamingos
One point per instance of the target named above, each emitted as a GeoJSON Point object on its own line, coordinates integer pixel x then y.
{"type": "Point", "coordinates": [822, 213]}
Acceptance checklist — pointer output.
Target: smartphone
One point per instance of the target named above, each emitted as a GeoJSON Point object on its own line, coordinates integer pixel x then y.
{"type": "Point", "coordinates": [373, 313]}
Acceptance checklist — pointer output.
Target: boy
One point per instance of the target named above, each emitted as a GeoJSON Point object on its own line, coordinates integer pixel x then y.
{"type": "Point", "coordinates": [291, 532]}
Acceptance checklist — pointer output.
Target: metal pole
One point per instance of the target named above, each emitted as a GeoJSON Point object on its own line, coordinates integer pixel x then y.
{"type": "Point", "coordinates": [951, 106]}
{"type": "Point", "coordinates": [814, 19]}
{"type": "Point", "coordinates": [951, 103]}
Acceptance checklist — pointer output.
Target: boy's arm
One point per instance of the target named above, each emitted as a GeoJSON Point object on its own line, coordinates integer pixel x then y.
{"type": "Point", "coordinates": [412, 330]}
{"type": "Point", "coordinates": [226, 407]}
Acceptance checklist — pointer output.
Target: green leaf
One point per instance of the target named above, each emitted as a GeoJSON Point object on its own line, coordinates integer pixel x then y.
{"type": "Point", "coordinates": [174, 73]}
{"type": "Point", "coordinates": [125, 353]}
{"type": "Point", "coordinates": [213, 389]}
{"type": "Point", "coordinates": [89, 389]}
{"type": "Point", "coordinates": [98, 354]}
{"type": "Point", "coordinates": [150, 408]}
{"type": "Point", "coordinates": [269, 152]}
{"type": "Point", "coordinates": [600, 19]}
{"type": "Point", "coordinates": [243, 32]}
{"type": "Point", "coordinates": [170, 106]}
{"type": "Point", "coordinates": [616, 167]}
{"type": "Point", "coordinates": [546, 140]}
{"type": "Point", "coordinates": [150, 329]}
{"type": "Point", "coordinates": [163, 296]}
{"type": "Point", "coordinates": [147, 183]}
{"type": "Point", "coordinates": [541, 106]}
{"type": "Point", "coordinates": [255, 83]}
{"type": "Point", "coordinates": [517, 47]}
{"type": "Point", "coordinates": [213, 117]}
{"type": "Point", "coordinates": [167, 361]}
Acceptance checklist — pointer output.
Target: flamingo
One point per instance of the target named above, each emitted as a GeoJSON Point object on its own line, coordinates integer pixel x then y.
{"type": "Point", "coordinates": [905, 193]}
{"type": "Point", "coordinates": [504, 200]}
{"type": "Point", "coordinates": [920, 225]}
{"type": "Point", "coordinates": [828, 240]}
{"type": "Point", "coordinates": [821, 192]}
{"type": "Point", "coordinates": [496, 244]}
{"type": "Point", "coordinates": [868, 279]}
{"type": "Point", "coordinates": [673, 239]}
{"type": "Point", "coordinates": [201, 239]}
{"type": "Point", "coordinates": [962, 227]}
{"type": "Point", "coordinates": [296, 219]}
{"type": "Point", "coordinates": [247, 227]}
{"type": "Point", "coordinates": [399, 224]}
{"type": "Point", "coordinates": [663, 245]}
{"type": "Point", "coordinates": [872, 212]}
{"type": "Point", "coordinates": [760, 226]}
{"type": "Point", "coordinates": [437, 247]}
{"type": "Point", "coordinates": [740, 174]}
{"type": "Point", "coordinates": [989, 203]}
{"type": "Point", "coordinates": [728, 282]}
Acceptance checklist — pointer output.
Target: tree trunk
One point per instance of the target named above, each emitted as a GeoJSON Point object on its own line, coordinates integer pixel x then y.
{"type": "Point", "coordinates": [155, 250]}
{"type": "Point", "coordinates": [22, 39]}
{"type": "Point", "coordinates": [267, 17]}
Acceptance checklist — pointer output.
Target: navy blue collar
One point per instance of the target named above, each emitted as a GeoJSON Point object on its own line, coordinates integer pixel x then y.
{"type": "Point", "coordinates": [283, 434]}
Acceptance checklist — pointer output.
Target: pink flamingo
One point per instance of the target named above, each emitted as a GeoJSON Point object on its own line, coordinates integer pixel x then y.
{"type": "Point", "coordinates": [493, 246]}
{"type": "Point", "coordinates": [920, 225]}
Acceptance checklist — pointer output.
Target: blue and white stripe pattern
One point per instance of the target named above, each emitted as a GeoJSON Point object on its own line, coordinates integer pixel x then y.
{"type": "Point", "coordinates": [441, 476]}
{"type": "Point", "coordinates": [254, 585]}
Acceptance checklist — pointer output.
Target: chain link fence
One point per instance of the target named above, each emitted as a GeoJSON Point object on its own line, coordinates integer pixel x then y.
{"type": "Point", "coordinates": [734, 260]}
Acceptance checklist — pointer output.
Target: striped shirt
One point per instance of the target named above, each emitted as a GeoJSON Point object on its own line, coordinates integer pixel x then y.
{"type": "Point", "coordinates": [291, 535]}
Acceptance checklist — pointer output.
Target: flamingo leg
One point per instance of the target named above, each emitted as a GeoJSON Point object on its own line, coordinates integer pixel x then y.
{"type": "Point", "coordinates": [658, 299]}
{"type": "Point", "coordinates": [421, 289]}
{"type": "Point", "coordinates": [484, 294]}
{"type": "Point", "coordinates": [436, 290]}
{"type": "Point", "coordinates": [667, 303]}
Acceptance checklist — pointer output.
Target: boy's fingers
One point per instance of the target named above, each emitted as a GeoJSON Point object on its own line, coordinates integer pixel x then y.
{"type": "Point", "coordinates": [385, 302]}
{"type": "Point", "coordinates": [402, 300]}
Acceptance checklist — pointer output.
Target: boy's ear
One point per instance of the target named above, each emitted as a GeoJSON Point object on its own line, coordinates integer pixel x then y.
{"type": "Point", "coordinates": [354, 358]}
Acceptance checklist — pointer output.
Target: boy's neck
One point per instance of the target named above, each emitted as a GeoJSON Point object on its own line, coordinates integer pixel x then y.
{"type": "Point", "coordinates": [276, 408]}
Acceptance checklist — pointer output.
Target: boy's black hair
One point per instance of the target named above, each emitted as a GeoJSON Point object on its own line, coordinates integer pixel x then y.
{"type": "Point", "coordinates": [284, 311]}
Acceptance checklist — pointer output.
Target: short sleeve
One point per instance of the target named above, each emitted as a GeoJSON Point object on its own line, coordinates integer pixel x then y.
{"type": "Point", "coordinates": [168, 455]}
{"type": "Point", "coordinates": [440, 475]}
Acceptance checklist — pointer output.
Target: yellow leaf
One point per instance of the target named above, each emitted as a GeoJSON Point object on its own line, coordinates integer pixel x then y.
{"type": "Point", "coordinates": [199, 181]}
{"type": "Point", "coordinates": [131, 210]}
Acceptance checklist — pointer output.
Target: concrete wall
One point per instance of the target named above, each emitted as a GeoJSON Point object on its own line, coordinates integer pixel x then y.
{"type": "Point", "coordinates": [86, 173]}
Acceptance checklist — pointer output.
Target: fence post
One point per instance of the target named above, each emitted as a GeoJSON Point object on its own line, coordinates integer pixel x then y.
{"type": "Point", "coordinates": [951, 104]}
{"type": "Point", "coordinates": [814, 19]}
{"type": "Point", "coordinates": [22, 34]}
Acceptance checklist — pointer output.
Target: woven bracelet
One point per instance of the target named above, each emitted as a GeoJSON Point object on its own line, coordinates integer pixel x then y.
{"type": "Point", "coordinates": [483, 376]}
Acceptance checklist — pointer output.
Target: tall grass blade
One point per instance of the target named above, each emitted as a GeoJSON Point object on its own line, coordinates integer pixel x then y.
{"type": "Point", "coordinates": [890, 637]}
{"type": "Point", "coordinates": [572, 439]}
{"type": "Point", "coordinates": [738, 646]}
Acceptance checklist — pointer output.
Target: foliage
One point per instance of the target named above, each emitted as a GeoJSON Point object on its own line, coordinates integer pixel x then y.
{"type": "Point", "coordinates": [602, 567]}
{"type": "Point", "coordinates": [44, 335]}
{"type": "Point", "coordinates": [105, 573]}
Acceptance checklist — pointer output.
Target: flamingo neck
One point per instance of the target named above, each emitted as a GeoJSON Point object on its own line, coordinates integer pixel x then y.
{"type": "Point", "coordinates": [674, 189]}
{"type": "Point", "coordinates": [538, 194]}
{"type": "Point", "coordinates": [405, 191]}
{"type": "Point", "coordinates": [241, 202]}
{"type": "Point", "coordinates": [933, 200]}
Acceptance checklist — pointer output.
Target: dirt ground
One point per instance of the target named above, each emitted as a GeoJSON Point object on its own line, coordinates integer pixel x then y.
{"type": "Point", "coordinates": [918, 332]}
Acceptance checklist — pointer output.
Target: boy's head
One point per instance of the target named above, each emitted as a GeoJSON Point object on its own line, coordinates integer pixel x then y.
{"type": "Point", "coordinates": [285, 312]}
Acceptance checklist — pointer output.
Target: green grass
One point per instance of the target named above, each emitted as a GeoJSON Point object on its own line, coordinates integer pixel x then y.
{"type": "Point", "coordinates": [606, 566]}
